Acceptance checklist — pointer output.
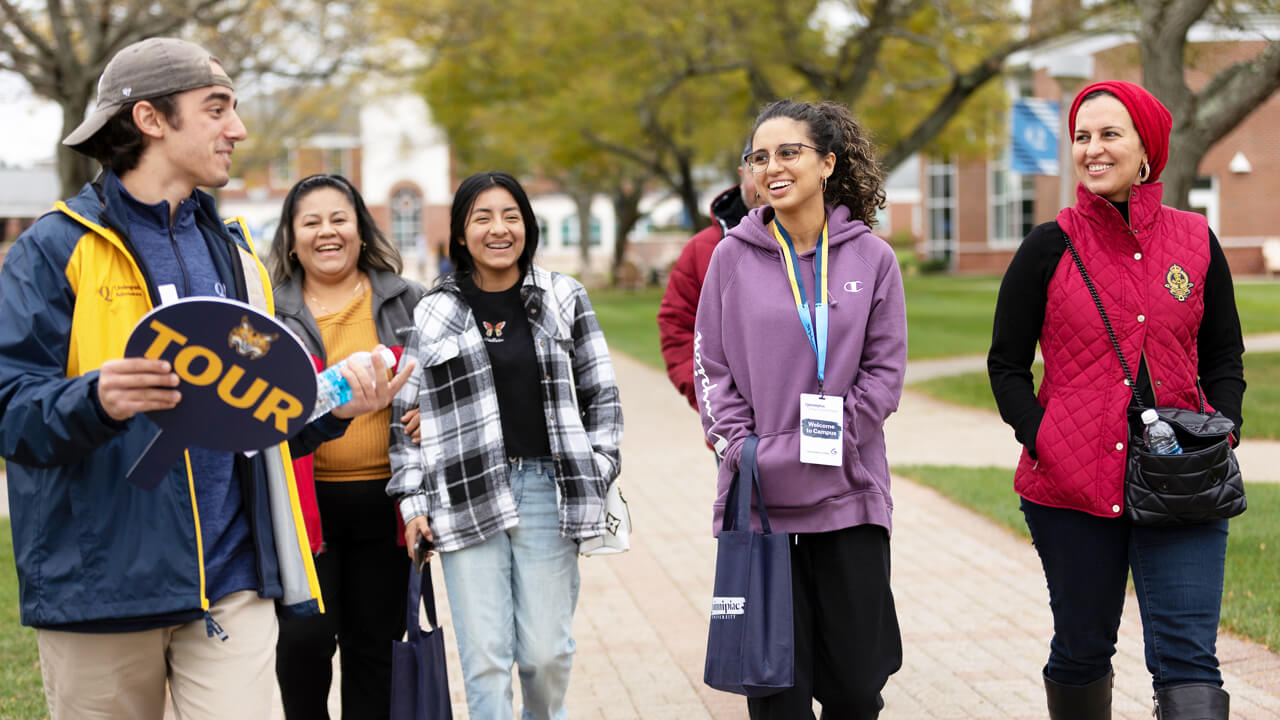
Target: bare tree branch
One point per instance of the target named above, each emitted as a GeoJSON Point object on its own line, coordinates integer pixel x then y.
{"type": "Point", "coordinates": [1235, 92]}
{"type": "Point", "coordinates": [870, 40]}
{"type": "Point", "coordinates": [628, 154]}
{"type": "Point", "coordinates": [67, 63]}
{"type": "Point", "coordinates": [18, 21]}
{"type": "Point", "coordinates": [964, 85]}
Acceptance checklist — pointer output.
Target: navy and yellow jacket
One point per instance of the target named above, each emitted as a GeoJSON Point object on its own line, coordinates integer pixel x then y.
{"type": "Point", "coordinates": [92, 549]}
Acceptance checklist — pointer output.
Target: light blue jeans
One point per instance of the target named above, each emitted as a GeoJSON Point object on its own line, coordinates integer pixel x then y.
{"type": "Point", "coordinates": [512, 599]}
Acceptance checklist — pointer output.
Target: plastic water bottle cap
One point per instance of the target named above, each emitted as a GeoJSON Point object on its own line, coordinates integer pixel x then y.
{"type": "Point", "coordinates": [388, 358]}
{"type": "Point", "coordinates": [1149, 416]}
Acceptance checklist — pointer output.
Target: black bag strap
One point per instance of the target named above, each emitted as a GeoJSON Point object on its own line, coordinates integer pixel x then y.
{"type": "Point", "coordinates": [737, 509]}
{"type": "Point", "coordinates": [1115, 344]}
{"type": "Point", "coordinates": [420, 591]}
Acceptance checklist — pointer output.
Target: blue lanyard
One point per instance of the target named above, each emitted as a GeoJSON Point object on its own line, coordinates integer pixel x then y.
{"type": "Point", "coordinates": [818, 338]}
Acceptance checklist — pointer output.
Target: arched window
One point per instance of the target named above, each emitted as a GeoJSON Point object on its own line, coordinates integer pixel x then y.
{"type": "Point", "coordinates": [569, 230]}
{"type": "Point", "coordinates": [406, 219]}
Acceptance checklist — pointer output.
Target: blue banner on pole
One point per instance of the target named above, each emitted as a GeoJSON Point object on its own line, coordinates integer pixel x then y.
{"type": "Point", "coordinates": [1034, 149]}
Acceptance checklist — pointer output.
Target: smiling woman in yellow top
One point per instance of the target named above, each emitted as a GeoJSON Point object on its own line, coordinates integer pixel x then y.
{"type": "Point", "coordinates": [338, 287]}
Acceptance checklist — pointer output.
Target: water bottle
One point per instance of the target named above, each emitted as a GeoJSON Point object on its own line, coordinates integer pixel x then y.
{"type": "Point", "coordinates": [333, 390]}
{"type": "Point", "coordinates": [1159, 435]}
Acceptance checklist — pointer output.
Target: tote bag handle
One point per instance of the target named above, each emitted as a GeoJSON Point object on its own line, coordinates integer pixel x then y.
{"type": "Point", "coordinates": [420, 592]}
{"type": "Point", "coordinates": [737, 511]}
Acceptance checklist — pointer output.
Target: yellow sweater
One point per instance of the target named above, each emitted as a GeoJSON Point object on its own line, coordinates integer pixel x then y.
{"type": "Point", "coordinates": [361, 453]}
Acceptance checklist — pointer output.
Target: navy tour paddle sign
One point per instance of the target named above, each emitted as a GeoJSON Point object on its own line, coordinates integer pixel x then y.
{"type": "Point", "coordinates": [246, 381]}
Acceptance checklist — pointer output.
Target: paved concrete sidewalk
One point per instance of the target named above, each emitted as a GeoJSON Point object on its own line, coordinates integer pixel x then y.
{"type": "Point", "coordinates": [970, 437]}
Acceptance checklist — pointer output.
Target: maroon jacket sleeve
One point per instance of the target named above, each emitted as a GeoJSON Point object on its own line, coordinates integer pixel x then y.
{"type": "Point", "coordinates": [680, 306]}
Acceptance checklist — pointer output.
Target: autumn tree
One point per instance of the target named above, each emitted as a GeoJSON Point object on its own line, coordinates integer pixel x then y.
{"type": "Point", "coordinates": [1200, 118]}
{"type": "Point", "coordinates": [511, 96]}
{"type": "Point", "coordinates": [61, 48]}
{"type": "Point", "coordinates": [669, 87]}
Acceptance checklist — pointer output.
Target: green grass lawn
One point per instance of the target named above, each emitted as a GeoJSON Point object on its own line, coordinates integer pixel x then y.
{"type": "Point", "coordinates": [629, 319]}
{"type": "Point", "coordinates": [1256, 301]}
{"type": "Point", "coordinates": [1261, 398]}
{"type": "Point", "coordinates": [946, 316]}
{"type": "Point", "coordinates": [1251, 595]}
{"type": "Point", "coordinates": [21, 693]}
{"type": "Point", "coordinates": [949, 315]}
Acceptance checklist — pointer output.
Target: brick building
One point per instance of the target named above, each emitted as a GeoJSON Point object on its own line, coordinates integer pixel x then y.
{"type": "Point", "coordinates": [975, 211]}
{"type": "Point", "coordinates": [391, 151]}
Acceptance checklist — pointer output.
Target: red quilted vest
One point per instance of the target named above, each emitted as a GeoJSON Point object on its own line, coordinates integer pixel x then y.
{"type": "Point", "coordinates": [1150, 278]}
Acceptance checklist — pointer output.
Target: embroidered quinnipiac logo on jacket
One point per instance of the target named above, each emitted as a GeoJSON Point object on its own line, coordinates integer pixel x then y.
{"type": "Point", "coordinates": [110, 292]}
{"type": "Point", "coordinates": [1178, 284]}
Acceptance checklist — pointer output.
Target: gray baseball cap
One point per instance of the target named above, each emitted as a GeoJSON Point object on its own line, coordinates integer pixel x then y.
{"type": "Point", "coordinates": [147, 69]}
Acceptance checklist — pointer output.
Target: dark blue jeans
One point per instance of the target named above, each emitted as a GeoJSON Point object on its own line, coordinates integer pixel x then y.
{"type": "Point", "coordinates": [1177, 576]}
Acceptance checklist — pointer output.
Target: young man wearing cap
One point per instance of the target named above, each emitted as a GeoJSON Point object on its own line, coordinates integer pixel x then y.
{"type": "Point", "coordinates": [131, 588]}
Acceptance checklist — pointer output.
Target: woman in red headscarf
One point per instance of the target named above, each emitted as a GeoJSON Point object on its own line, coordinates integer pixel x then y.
{"type": "Point", "coordinates": [1164, 282]}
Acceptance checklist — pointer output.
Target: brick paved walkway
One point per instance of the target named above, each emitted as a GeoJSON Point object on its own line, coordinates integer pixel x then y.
{"type": "Point", "coordinates": [971, 596]}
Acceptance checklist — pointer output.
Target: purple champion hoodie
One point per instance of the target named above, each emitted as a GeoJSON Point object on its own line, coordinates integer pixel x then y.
{"type": "Point", "coordinates": [752, 360]}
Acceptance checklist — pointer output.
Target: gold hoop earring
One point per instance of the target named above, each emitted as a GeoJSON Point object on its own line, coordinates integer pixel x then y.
{"type": "Point", "coordinates": [1145, 172]}
{"type": "Point", "coordinates": [293, 254]}
{"type": "Point", "coordinates": [757, 197]}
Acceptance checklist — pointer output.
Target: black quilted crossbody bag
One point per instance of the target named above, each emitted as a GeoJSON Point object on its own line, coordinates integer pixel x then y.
{"type": "Point", "coordinates": [1201, 484]}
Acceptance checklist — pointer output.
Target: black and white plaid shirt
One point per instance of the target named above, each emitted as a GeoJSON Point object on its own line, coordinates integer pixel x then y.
{"type": "Point", "coordinates": [458, 476]}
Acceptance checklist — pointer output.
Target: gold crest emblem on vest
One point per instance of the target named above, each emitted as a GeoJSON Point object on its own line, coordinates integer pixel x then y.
{"type": "Point", "coordinates": [1178, 284]}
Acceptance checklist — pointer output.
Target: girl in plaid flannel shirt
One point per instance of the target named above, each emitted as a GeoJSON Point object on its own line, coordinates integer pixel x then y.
{"type": "Point", "coordinates": [520, 433]}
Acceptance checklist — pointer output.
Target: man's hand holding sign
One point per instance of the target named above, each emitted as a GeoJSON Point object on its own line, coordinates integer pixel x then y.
{"type": "Point", "coordinates": [132, 385]}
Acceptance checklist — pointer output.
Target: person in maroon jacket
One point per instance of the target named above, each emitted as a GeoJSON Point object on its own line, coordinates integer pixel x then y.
{"type": "Point", "coordinates": [684, 286]}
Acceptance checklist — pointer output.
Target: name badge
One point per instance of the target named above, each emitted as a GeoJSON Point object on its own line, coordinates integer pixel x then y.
{"type": "Point", "coordinates": [821, 429]}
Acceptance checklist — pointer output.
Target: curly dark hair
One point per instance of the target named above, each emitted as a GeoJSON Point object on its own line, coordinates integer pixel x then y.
{"type": "Point", "coordinates": [119, 144]}
{"type": "Point", "coordinates": [376, 252]}
{"type": "Point", "coordinates": [857, 182]}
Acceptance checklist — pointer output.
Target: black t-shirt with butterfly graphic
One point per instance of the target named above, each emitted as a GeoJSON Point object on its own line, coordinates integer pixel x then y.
{"type": "Point", "coordinates": [509, 340]}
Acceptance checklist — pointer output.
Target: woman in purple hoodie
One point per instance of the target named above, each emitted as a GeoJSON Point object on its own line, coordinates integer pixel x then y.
{"type": "Point", "coordinates": [802, 323]}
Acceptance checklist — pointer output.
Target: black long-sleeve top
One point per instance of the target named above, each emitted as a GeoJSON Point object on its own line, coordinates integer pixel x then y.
{"type": "Point", "coordinates": [1019, 318]}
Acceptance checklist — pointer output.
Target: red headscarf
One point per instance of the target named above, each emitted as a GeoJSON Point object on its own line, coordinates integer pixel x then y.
{"type": "Point", "coordinates": [1151, 118]}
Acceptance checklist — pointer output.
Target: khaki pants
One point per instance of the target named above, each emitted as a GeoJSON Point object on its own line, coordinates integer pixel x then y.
{"type": "Point", "coordinates": [123, 675]}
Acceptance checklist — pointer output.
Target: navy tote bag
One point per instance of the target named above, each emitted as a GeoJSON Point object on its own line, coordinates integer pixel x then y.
{"type": "Point", "coordinates": [751, 644]}
{"type": "Point", "coordinates": [419, 683]}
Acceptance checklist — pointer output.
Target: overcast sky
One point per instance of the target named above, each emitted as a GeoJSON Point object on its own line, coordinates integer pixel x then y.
{"type": "Point", "coordinates": [31, 125]}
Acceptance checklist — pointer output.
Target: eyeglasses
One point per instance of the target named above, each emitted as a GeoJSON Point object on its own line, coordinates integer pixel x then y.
{"type": "Point", "coordinates": [786, 154]}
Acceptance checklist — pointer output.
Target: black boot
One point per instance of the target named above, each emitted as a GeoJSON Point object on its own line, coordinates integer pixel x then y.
{"type": "Point", "coordinates": [1079, 702]}
{"type": "Point", "coordinates": [1198, 701]}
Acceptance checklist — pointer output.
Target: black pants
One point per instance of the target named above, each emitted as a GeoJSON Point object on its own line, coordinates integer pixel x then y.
{"type": "Point", "coordinates": [846, 627]}
{"type": "Point", "coordinates": [362, 573]}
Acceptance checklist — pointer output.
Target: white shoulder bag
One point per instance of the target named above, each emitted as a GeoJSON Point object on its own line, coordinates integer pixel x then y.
{"type": "Point", "coordinates": [617, 517]}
